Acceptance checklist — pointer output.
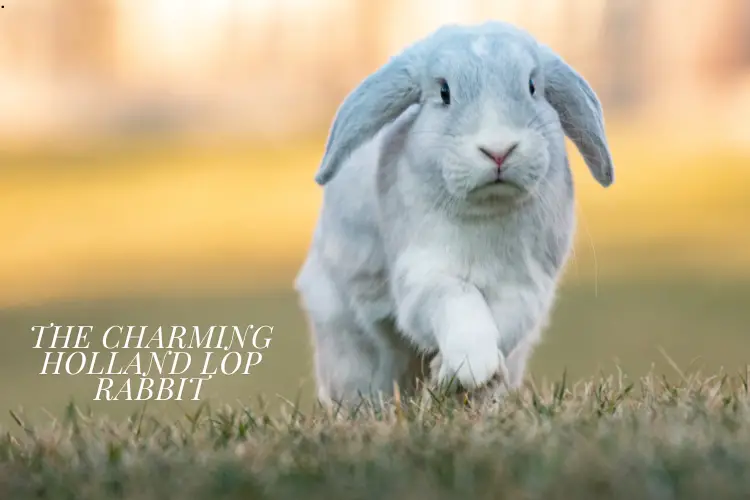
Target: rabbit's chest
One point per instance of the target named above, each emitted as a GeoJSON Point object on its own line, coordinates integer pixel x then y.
{"type": "Point", "coordinates": [512, 255]}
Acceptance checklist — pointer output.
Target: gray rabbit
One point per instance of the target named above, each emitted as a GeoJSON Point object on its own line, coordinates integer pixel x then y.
{"type": "Point", "coordinates": [448, 213]}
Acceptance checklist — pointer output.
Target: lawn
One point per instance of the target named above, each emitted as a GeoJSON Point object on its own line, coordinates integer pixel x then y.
{"type": "Point", "coordinates": [616, 438]}
{"type": "Point", "coordinates": [206, 234]}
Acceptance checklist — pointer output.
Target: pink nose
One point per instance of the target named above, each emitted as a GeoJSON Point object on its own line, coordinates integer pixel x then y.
{"type": "Point", "coordinates": [498, 157]}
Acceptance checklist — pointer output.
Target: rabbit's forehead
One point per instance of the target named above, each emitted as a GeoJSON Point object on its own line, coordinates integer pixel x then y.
{"type": "Point", "coordinates": [483, 56]}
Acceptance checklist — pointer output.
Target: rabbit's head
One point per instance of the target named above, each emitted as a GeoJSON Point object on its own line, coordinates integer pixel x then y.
{"type": "Point", "coordinates": [494, 106]}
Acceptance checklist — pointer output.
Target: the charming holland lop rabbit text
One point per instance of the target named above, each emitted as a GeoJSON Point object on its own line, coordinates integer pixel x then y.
{"type": "Point", "coordinates": [448, 213]}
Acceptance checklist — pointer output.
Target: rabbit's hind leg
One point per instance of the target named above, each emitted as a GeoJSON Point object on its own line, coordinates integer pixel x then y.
{"type": "Point", "coordinates": [350, 361]}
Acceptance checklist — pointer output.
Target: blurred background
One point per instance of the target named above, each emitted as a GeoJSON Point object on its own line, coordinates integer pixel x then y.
{"type": "Point", "coordinates": [157, 161]}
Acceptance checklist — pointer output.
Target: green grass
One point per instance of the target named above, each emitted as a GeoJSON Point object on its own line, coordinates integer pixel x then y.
{"type": "Point", "coordinates": [600, 438]}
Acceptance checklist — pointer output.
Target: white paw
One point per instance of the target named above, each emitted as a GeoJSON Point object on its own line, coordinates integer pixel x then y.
{"type": "Point", "coordinates": [471, 369]}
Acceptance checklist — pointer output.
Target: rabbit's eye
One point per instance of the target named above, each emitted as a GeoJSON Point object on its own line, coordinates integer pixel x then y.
{"type": "Point", "coordinates": [532, 86]}
{"type": "Point", "coordinates": [445, 92]}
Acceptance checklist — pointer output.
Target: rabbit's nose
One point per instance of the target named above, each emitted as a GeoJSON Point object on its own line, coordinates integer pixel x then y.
{"type": "Point", "coordinates": [498, 157]}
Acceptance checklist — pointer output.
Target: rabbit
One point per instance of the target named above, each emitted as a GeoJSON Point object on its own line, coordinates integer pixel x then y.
{"type": "Point", "coordinates": [448, 213]}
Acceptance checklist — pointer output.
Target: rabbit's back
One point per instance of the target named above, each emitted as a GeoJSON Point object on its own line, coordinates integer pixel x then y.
{"type": "Point", "coordinates": [347, 247]}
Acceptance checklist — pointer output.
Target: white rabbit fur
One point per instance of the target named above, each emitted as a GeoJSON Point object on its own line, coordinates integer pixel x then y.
{"type": "Point", "coordinates": [417, 251]}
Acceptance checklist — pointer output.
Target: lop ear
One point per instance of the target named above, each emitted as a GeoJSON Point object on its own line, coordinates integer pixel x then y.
{"type": "Point", "coordinates": [378, 100]}
{"type": "Point", "coordinates": [580, 114]}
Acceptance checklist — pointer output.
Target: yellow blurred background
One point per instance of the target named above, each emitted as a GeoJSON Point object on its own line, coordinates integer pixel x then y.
{"type": "Point", "coordinates": [157, 161]}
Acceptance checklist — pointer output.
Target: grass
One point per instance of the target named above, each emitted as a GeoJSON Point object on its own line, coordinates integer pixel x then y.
{"type": "Point", "coordinates": [186, 234]}
{"type": "Point", "coordinates": [600, 438]}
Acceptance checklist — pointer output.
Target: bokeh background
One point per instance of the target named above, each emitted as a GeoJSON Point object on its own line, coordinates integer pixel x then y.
{"type": "Point", "coordinates": [157, 161]}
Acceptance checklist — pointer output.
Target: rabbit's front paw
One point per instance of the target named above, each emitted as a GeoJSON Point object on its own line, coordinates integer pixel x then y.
{"type": "Point", "coordinates": [470, 369]}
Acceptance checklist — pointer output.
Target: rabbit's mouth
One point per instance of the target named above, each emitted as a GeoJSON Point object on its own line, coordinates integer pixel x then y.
{"type": "Point", "coordinates": [499, 187]}
{"type": "Point", "coordinates": [501, 181]}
